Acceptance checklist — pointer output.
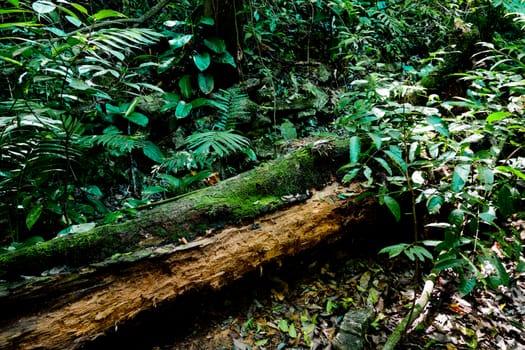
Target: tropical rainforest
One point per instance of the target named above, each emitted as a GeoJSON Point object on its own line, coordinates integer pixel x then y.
{"type": "Point", "coordinates": [108, 108]}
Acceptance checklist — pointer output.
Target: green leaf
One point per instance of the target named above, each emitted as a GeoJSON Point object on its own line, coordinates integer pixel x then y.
{"type": "Point", "coordinates": [376, 139]}
{"type": "Point", "coordinates": [349, 176]}
{"type": "Point", "coordinates": [447, 263]}
{"type": "Point", "coordinates": [215, 44]}
{"type": "Point", "coordinates": [77, 229]}
{"type": "Point", "coordinates": [434, 204]}
{"type": "Point", "coordinates": [202, 60]}
{"type": "Point", "coordinates": [80, 8]}
{"type": "Point", "coordinates": [396, 155]}
{"type": "Point", "coordinates": [43, 7]}
{"type": "Point", "coordinates": [384, 164]}
{"type": "Point", "coordinates": [496, 116]}
{"type": "Point", "coordinates": [226, 58]}
{"type": "Point", "coordinates": [153, 152]}
{"type": "Point", "coordinates": [103, 14]}
{"type": "Point", "coordinates": [355, 149]}
{"type": "Point", "coordinates": [33, 215]}
{"type": "Point", "coordinates": [438, 125]}
{"type": "Point", "coordinates": [207, 20]}
{"type": "Point", "coordinates": [485, 175]}
{"type": "Point", "coordinates": [283, 325]}
{"type": "Point", "coordinates": [393, 206]}
{"type": "Point", "coordinates": [74, 21]}
{"type": "Point", "coordinates": [185, 86]}
{"type": "Point", "coordinates": [137, 118]}
{"type": "Point", "coordinates": [79, 84]}
{"type": "Point", "coordinates": [508, 169]}
{"type": "Point", "coordinates": [56, 31]}
{"type": "Point", "coordinates": [456, 218]}
{"type": "Point", "coordinates": [180, 40]}
{"type": "Point", "coordinates": [394, 250]}
{"type": "Point", "coordinates": [206, 83]}
{"type": "Point", "coordinates": [421, 253]}
{"type": "Point", "coordinates": [174, 23]}
{"type": "Point", "coordinates": [183, 109]}
{"type": "Point", "coordinates": [460, 176]}
{"type": "Point", "coordinates": [291, 331]}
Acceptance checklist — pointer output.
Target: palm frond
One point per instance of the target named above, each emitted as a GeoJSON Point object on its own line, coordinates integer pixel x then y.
{"type": "Point", "coordinates": [223, 143]}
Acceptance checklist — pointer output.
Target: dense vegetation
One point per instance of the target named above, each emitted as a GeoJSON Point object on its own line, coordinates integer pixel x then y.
{"type": "Point", "coordinates": [105, 110]}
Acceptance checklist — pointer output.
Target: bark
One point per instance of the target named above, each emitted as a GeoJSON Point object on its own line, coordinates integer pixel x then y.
{"type": "Point", "coordinates": [67, 310]}
{"type": "Point", "coordinates": [240, 198]}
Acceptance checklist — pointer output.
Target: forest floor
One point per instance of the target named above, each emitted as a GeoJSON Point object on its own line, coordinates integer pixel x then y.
{"type": "Point", "coordinates": [300, 303]}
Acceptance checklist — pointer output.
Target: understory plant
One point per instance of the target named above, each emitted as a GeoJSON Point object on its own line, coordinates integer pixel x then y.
{"type": "Point", "coordinates": [460, 160]}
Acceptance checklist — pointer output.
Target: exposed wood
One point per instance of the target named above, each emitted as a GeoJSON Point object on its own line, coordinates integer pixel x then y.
{"type": "Point", "coordinates": [241, 198]}
{"type": "Point", "coordinates": [120, 293]}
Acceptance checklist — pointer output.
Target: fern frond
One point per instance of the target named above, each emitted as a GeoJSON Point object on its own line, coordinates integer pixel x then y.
{"type": "Point", "coordinates": [223, 143]}
{"type": "Point", "coordinates": [118, 142]}
{"type": "Point", "coordinates": [232, 108]}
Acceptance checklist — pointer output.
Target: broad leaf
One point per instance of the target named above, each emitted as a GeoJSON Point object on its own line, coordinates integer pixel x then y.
{"type": "Point", "coordinates": [137, 118]}
{"type": "Point", "coordinates": [355, 149]}
{"type": "Point", "coordinates": [183, 109]}
{"type": "Point", "coordinates": [226, 58]}
{"type": "Point", "coordinates": [153, 152]}
{"type": "Point", "coordinates": [180, 40]}
{"type": "Point", "coordinates": [215, 44]}
{"type": "Point", "coordinates": [396, 155]}
{"type": "Point", "coordinates": [460, 176]}
{"type": "Point", "coordinates": [43, 7]}
{"type": "Point", "coordinates": [33, 215]}
{"type": "Point", "coordinates": [185, 86]}
{"type": "Point", "coordinates": [206, 83]}
{"type": "Point", "coordinates": [496, 116]}
{"type": "Point", "coordinates": [202, 60]}
{"type": "Point", "coordinates": [393, 206]}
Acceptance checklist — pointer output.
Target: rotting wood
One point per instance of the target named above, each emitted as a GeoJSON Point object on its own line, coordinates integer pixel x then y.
{"type": "Point", "coordinates": [125, 291]}
{"type": "Point", "coordinates": [244, 197]}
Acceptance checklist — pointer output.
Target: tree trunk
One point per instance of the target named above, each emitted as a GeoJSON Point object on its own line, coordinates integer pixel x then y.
{"type": "Point", "coordinates": [68, 310]}
{"type": "Point", "coordinates": [228, 26]}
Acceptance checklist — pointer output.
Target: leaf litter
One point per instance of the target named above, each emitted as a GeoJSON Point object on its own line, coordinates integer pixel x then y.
{"type": "Point", "coordinates": [304, 311]}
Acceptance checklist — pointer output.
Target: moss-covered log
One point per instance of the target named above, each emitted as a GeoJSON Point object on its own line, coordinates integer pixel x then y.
{"type": "Point", "coordinates": [145, 269]}
{"type": "Point", "coordinates": [240, 198]}
{"type": "Point", "coordinates": [77, 308]}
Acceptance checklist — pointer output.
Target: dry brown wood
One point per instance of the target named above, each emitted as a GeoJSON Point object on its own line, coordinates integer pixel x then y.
{"type": "Point", "coordinates": [121, 293]}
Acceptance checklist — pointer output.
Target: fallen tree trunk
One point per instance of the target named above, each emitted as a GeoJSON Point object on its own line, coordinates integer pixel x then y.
{"type": "Point", "coordinates": [121, 292]}
{"type": "Point", "coordinates": [244, 197]}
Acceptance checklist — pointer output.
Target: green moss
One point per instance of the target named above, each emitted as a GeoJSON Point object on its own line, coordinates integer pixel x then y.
{"type": "Point", "coordinates": [244, 197]}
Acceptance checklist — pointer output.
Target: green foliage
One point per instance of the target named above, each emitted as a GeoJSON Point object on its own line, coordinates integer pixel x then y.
{"type": "Point", "coordinates": [464, 155]}
{"type": "Point", "coordinates": [62, 79]}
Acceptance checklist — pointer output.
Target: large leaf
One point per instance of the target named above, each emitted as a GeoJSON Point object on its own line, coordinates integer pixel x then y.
{"type": "Point", "coordinates": [355, 149]}
{"type": "Point", "coordinates": [183, 109]}
{"type": "Point", "coordinates": [137, 118]}
{"type": "Point", "coordinates": [202, 60]}
{"type": "Point", "coordinates": [33, 215]}
{"type": "Point", "coordinates": [153, 152]}
{"type": "Point", "coordinates": [393, 206]}
{"type": "Point", "coordinates": [396, 155]}
{"type": "Point", "coordinates": [460, 176]}
{"type": "Point", "coordinates": [215, 44]}
{"type": "Point", "coordinates": [180, 40]}
{"type": "Point", "coordinates": [43, 7]}
{"type": "Point", "coordinates": [206, 83]}
{"type": "Point", "coordinates": [185, 86]}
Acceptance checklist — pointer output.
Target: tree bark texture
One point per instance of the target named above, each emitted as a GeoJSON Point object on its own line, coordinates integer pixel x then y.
{"type": "Point", "coordinates": [243, 197]}
{"type": "Point", "coordinates": [68, 310]}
